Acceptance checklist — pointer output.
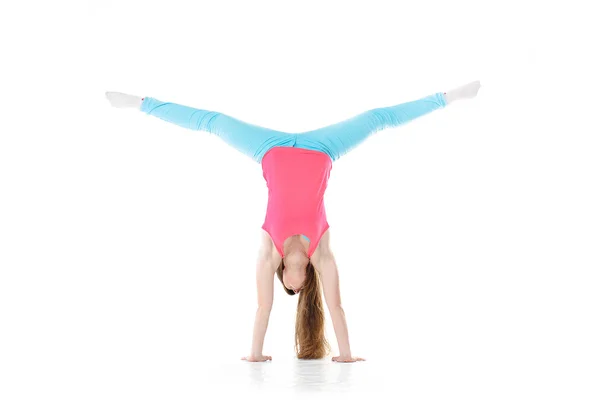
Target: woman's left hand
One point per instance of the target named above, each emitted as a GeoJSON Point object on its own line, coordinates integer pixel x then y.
{"type": "Point", "coordinates": [347, 359]}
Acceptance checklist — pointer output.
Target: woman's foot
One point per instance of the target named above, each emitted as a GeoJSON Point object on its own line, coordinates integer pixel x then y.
{"type": "Point", "coordinates": [467, 91]}
{"type": "Point", "coordinates": [122, 100]}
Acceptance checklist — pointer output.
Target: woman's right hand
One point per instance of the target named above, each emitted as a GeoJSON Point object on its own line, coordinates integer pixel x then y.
{"type": "Point", "coordinates": [257, 358]}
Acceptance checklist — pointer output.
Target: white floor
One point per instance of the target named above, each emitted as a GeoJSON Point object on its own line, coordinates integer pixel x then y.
{"type": "Point", "coordinates": [295, 376]}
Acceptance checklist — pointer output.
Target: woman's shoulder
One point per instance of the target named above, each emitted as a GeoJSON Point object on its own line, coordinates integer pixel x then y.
{"type": "Point", "coordinates": [268, 248]}
{"type": "Point", "coordinates": [323, 247]}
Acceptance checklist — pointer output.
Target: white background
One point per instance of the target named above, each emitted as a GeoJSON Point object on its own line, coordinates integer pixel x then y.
{"type": "Point", "coordinates": [467, 241]}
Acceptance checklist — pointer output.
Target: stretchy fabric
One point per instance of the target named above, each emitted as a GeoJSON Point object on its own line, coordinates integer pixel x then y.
{"type": "Point", "coordinates": [297, 179]}
{"type": "Point", "coordinates": [254, 141]}
{"type": "Point", "coordinates": [296, 166]}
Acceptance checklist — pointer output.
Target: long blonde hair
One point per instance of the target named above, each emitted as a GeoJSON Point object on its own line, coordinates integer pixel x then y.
{"type": "Point", "coordinates": [310, 342]}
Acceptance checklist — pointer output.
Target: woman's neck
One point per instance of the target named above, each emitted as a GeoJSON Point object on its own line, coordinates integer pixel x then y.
{"type": "Point", "coordinates": [296, 242]}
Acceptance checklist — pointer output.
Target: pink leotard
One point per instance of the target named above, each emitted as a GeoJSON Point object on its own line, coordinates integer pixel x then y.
{"type": "Point", "coordinates": [297, 179]}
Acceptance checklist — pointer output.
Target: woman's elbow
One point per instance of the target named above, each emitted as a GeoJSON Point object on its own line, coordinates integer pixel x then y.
{"type": "Point", "coordinates": [264, 307]}
{"type": "Point", "coordinates": [335, 307]}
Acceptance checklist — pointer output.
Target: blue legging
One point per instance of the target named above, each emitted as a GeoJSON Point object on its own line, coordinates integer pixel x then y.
{"type": "Point", "coordinates": [254, 141]}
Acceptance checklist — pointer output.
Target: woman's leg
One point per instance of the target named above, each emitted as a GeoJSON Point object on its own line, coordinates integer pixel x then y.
{"type": "Point", "coordinates": [338, 139]}
{"type": "Point", "coordinates": [252, 140]}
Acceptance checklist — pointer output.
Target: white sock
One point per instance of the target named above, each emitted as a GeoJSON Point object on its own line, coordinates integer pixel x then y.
{"type": "Point", "coordinates": [467, 91]}
{"type": "Point", "coordinates": [122, 100]}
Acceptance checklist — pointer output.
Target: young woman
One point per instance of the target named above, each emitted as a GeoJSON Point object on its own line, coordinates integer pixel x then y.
{"type": "Point", "coordinates": [295, 235]}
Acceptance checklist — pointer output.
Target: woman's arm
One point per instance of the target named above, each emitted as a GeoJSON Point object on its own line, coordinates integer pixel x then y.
{"type": "Point", "coordinates": [266, 266]}
{"type": "Point", "coordinates": [324, 262]}
{"type": "Point", "coordinates": [331, 290]}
